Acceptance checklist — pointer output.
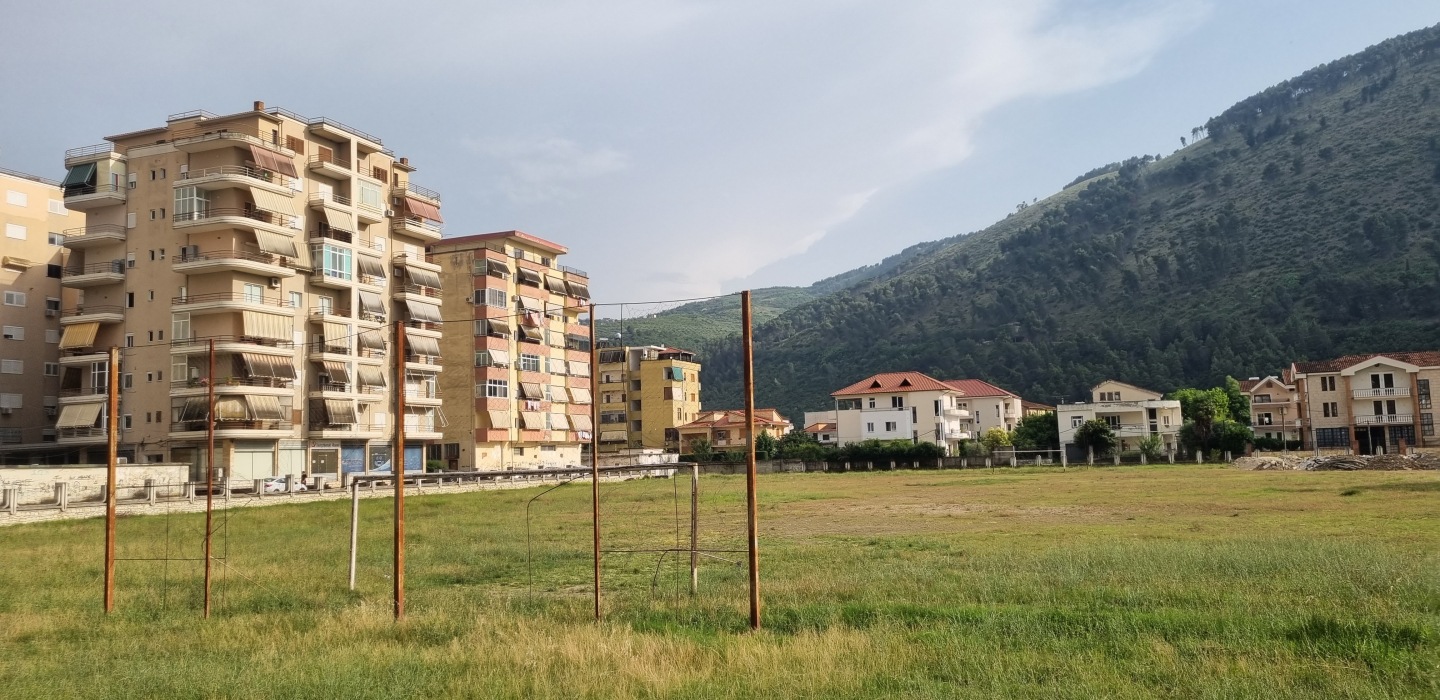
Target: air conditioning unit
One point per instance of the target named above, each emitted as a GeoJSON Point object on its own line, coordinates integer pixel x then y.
{"type": "Point", "coordinates": [6, 411]}
{"type": "Point", "coordinates": [390, 212]}
{"type": "Point", "coordinates": [52, 312]}
{"type": "Point", "coordinates": [52, 410]}
{"type": "Point", "coordinates": [122, 460]}
{"type": "Point", "coordinates": [274, 282]}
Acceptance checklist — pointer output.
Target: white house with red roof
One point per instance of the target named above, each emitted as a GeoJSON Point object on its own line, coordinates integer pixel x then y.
{"type": "Point", "coordinates": [917, 407]}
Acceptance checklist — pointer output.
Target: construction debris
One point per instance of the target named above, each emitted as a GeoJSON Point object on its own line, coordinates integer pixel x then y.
{"type": "Point", "coordinates": [1298, 462]}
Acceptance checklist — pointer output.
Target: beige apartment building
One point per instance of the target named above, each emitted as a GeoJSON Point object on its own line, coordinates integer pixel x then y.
{"type": "Point", "coordinates": [989, 406]}
{"type": "Point", "coordinates": [726, 430]}
{"type": "Point", "coordinates": [525, 401]}
{"type": "Point", "coordinates": [1133, 413]}
{"type": "Point", "coordinates": [32, 256]}
{"type": "Point", "coordinates": [1274, 407]}
{"type": "Point", "coordinates": [293, 244]}
{"type": "Point", "coordinates": [903, 406]}
{"type": "Point", "coordinates": [646, 394]}
{"type": "Point", "coordinates": [1368, 403]}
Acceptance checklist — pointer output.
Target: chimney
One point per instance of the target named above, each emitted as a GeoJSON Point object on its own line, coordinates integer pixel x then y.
{"type": "Point", "coordinates": [259, 106]}
{"type": "Point", "coordinates": [404, 161]}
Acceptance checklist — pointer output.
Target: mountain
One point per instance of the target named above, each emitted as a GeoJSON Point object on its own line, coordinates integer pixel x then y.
{"type": "Point", "coordinates": [1301, 226]}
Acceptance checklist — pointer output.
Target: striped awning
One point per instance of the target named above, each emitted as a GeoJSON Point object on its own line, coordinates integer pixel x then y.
{"type": "Point", "coordinates": [579, 395]}
{"type": "Point", "coordinates": [339, 373]}
{"type": "Point", "coordinates": [530, 334]}
{"type": "Point", "coordinates": [372, 340]}
{"type": "Point", "coordinates": [370, 375]}
{"type": "Point", "coordinates": [612, 436]}
{"type": "Point", "coordinates": [264, 407]}
{"type": "Point", "coordinates": [268, 326]}
{"type": "Point", "coordinates": [531, 304]}
{"type": "Point", "coordinates": [578, 289]}
{"type": "Point", "coordinates": [424, 278]}
{"type": "Point", "coordinates": [79, 416]}
{"type": "Point", "coordinates": [557, 394]}
{"type": "Point", "coordinates": [558, 422]}
{"type": "Point", "coordinates": [423, 209]}
{"type": "Point", "coordinates": [276, 244]}
{"type": "Point", "coordinates": [499, 420]}
{"type": "Point", "coordinates": [336, 334]}
{"type": "Point", "coordinates": [278, 203]}
{"type": "Point", "coordinates": [530, 420]}
{"type": "Point", "coordinates": [370, 301]}
{"type": "Point", "coordinates": [421, 344]}
{"type": "Point", "coordinates": [370, 266]}
{"type": "Point", "coordinates": [343, 220]}
{"type": "Point", "coordinates": [340, 411]}
{"type": "Point", "coordinates": [420, 311]}
{"type": "Point", "coordinates": [531, 390]}
{"type": "Point", "coordinates": [581, 422]}
{"type": "Point", "coordinates": [196, 408]}
{"type": "Point", "coordinates": [499, 325]}
{"type": "Point", "coordinates": [528, 275]}
{"type": "Point", "coordinates": [80, 335]}
{"type": "Point", "coordinates": [555, 284]}
{"type": "Point", "coordinates": [232, 408]}
{"type": "Point", "coordinates": [493, 265]}
{"type": "Point", "coordinates": [270, 160]}
{"type": "Point", "coordinates": [499, 357]}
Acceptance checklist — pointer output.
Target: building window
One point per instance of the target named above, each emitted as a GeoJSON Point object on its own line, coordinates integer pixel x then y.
{"type": "Point", "coordinates": [17, 199]}
{"type": "Point", "coordinates": [129, 340]}
{"type": "Point", "coordinates": [848, 404]}
{"type": "Point", "coordinates": [890, 426]}
{"type": "Point", "coordinates": [296, 299]}
{"type": "Point", "coordinates": [14, 298]}
{"type": "Point", "coordinates": [612, 417]}
{"type": "Point", "coordinates": [519, 452]}
{"type": "Point", "coordinates": [872, 402]}
{"type": "Point", "coordinates": [14, 332]}
{"type": "Point", "coordinates": [529, 363]}
{"type": "Point", "coordinates": [491, 297]}
{"type": "Point", "coordinates": [897, 402]}
{"type": "Point", "coordinates": [1112, 421]}
{"type": "Point", "coordinates": [52, 369]}
{"type": "Point", "coordinates": [15, 231]}
{"type": "Point", "coordinates": [869, 427]}
{"type": "Point", "coordinates": [180, 326]}
{"type": "Point", "coordinates": [1427, 424]}
{"type": "Point", "coordinates": [12, 366]}
{"type": "Point", "coordinates": [334, 261]}
{"type": "Point", "coordinates": [254, 293]}
{"type": "Point", "coordinates": [1077, 421]}
{"type": "Point", "coordinates": [1422, 391]}
{"type": "Point", "coordinates": [1332, 437]}
{"type": "Point", "coordinates": [497, 388]}
{"type": "Point", "coordinates": [56, 239]}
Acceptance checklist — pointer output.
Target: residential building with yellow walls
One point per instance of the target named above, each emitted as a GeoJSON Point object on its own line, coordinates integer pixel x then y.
{"type": "Point", "coordinates": [1370, 403]}
{"type": "Point", "coordinates": [646, 394]}
{"type": "Point", "coordinates": [524, 401]}
{"type": "Point", "coordinates": [726, 430]}
{"type": "Point", "coordinates": [1274, 406]}
{"type": "Point", "coordinates": [32, 258]}
{"type": "Point", "coordinates": [294, 244]}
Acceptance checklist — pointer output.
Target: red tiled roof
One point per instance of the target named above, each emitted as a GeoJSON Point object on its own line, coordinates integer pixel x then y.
{"type": "Point", "coordinates": [724, 419]}
{"type": "Point", "coordinates": [1424, 358]}
{"type": "Point", "coordinates": [820, 427]}
{"type": "Point", "coordinates": [501, 235]}
{"type": "Point", "coordinates": [975, 387]}
{"type": "Point", "coordinates": [891, 382]}
{"type": "Point", "coordinates": [1248, 384]}
{"type": "Point", "coordinates": [1032, 406]}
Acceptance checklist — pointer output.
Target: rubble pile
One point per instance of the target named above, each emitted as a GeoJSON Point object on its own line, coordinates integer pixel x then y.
{"type": "Point", "coordinates": [1272, 462]}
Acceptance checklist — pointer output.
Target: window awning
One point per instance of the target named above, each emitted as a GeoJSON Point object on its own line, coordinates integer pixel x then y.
{"type": "Point", "coordinates": [342, 220]}
{"type": "Point", "coordinates": [232, 408]}
{"type": "Point", "coordinates": [339, 373]}
{"type": "Point", "coordinates": [528, 275]}
{"type": "Point", "coordinates": [372, 340]}
{"type": "Point", "coordinates": [81, 415]}
{"type": "Point", "coordinates": [558, 421]}
{"type": "Point", "coordinates": [257, 365]}
{"type": "Point", "coordinates": [423, 209]}
{"type": "Point", "coordinates": [370, 375]}
{"type": "Point", "coordinates": [340, 411]}
{"type": "Point", "coordinates": [83, 174]}
{"type": "Point", "coordinates": [579, 369]}
{"type": "Point", "coordinates": [580, 395]}
{"type": "Point", "coordinates": [499, 357]}
{"type": "Point", "coordinates": [336, 334]}
{"type": "Point", "coordinates": [420, 311]}
{"type": "Point", "coordinates": [276, 244]}
{"type": "Point", "coordinates": [370, 266]}
{"type": "Point", "coordinates": [22, 263]}
{"type": "Point", "coordinates": [270, 160]}
{"type": "Point", "coordinates": [531, 303]}
{"type": "Point", "coordinates": [278, 203]}
{"type": "Point", "coordinates": [530, 334]}
{"type": "Point", "coordinates": [283, 367]}
{"type": "Point", "coordinates": [531, 390]}
{"type": "Point", "coordinates": [264, 407]}
{"type": "Point", "coordinates": [80, 335]}
{"type": "Point", "coordinates": [499, 420]}
{"type": "Point", "coordinates": [499, 325]}
{"type": "Point", "coordinates": [493, 265]}
{"type": "Point", "coordinates": [578, 290]}
{"type": "Point", "coordinates": [268, 326]}
{"type": "Point", "coordinates": [581, 422]}
{"type": "Point", "coordinates": [421, 344]}
{"type": "Point", "coordinates": [557, 394]}
{"type": "Point", "coordinates": [612, 436]}
{"type": "Point", "coordinates": [424, 278]}
{"type": "Point", "coordinates": [555, 284]}
{"type": "Point", "coordinates": [531, 421]}
{"type": "Point", "coordinates": [196, 408]}
{"type": "Point", "coordinates": [370, 301]}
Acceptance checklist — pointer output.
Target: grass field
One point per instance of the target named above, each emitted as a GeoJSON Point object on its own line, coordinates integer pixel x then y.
{"type": "Point", "coordinates": [1163, 581]}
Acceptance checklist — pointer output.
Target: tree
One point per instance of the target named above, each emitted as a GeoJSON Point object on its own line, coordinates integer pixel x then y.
{"type": "Point", "coordinates": [798, 444]}
{"type": "Point", "coordinates": [995, 438]}
{"type": "Point", "coordinates": [1096, 434]}
{"type": "Point", "coordinates": [1151, 446]}
{"type": "Point", "coordinates": [1239, 406]}
{"type": "Point", "coordinates": [765, 445]}
{"type": "Point", "coordinates": [1037, 431]}
{"type": "Point", "coordinates": [702, 451]}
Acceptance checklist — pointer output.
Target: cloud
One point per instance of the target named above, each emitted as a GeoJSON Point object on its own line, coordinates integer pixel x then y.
{"type": "Point", "coordinates": [545, 169]}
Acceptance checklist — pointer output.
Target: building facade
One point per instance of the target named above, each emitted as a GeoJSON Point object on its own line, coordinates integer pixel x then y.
{"type": "Point", "coordinates": [297, 246]}
{"type": "Point", "coordinates": [525, 401]}
{"type": "Point", "coordinates": [1368, 403]}
{"type": "Point", "coordinates": [989, 406]}
{"type": "Point", "coordinates": [903, 406]}
{"type": "Point", "coordinates": [821, 425]}
{"type": "Point", "coordinates": [1132, 412]}
{"type": "Point", "coordinates": [32, 259]}
{"type": "Point", "coordinates": [726, 430]}
{"type": "Point", "coordinates": [646, 394]}
{"type": "Point", "coordinates": [1274, 408]}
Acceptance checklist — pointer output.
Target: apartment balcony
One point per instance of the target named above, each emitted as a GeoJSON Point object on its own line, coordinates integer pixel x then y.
{"type": "Point", "coordinates": [81, 436]}
{"type": "Point", "coordinates": [413, 190]}
{"type": "Point", "coordinates": [87, 197]}
{"type": "Point", "coordinates": [200, 139]}
{"type": "Point", "coordinates": [369, 213]}
{"type": "Point", "coordinates": [92, 154]}
{"type": "Point", "coordinates": [420, 228]}
{"type": "Point", "coordinates": [226, 302]}
{"type": "Point", "coordinates": [341, 390]}
{"type": "Point", "coordinates": [231, 344]}
{"type": "Point", "coordinates": [340, 132]}
{"type": "Point", "coordinates": [330, 314]}
{"type": "Point", "coordinates": [98, 313]}
{"type": "Point", "coordinates": [421, 293]}
{"type": "Point", "coordinates": [83, 358]}
{"type": "Point", "coordinates": [233, 429]}
{"type": "Point", "coordinates": [335, 279]}
{"type": "Point", "coordinates": [955, 413]}
{"type": "Point", "coordinates": [321, 200]}
{"type": "Point", "coordinates": [271, 386]}
{"type": "Point", "coordinates": [263, 264]}
{"type": "Point", "coordinates": [238, 176]}
{"type": "Point", "coordinates": [423, 395]}
{"type": "Point", "coordinates": [423, 262]}
{"type": "Point", "coordinates": [226, 218]}
{"type": "Point", "coordinates": [422, 363]}
{"type": "Point", "coordinates": [323, 430]}
{"type": "Point", "coordinates": [330, 166]}
{"type": "Point", "coordinates": [89, 394]}
{"type": "Point", "coordinates": [1271, 401]}
{"type": "Point", "coordinates": [95, 275]}
{"type": "Point", "coordinates": [92, 236]}
{"type": "Point", "coordinates": [1383, 393]}
{"type": "Point", "coordinates": [1385, 419]}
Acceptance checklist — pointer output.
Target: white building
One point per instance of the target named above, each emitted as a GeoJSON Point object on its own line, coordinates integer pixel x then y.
{"type": "Point", "coordinates": [1132, 412]}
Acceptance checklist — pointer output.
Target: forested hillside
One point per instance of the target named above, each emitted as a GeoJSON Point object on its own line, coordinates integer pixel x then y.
{"type": "Point", "coordinates": [1301, 227]}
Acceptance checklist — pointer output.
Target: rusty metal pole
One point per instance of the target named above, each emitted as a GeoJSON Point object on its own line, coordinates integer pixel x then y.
{"type": "Point", "coordinates": [354, 526]}
{"type": "Point", "coordinates": [595, 454]}
{"type": "Point", "coordinates": [752, 520]}
{"type": "Point", "coordinates": [694, 528]}
{"type": "Point", "coordinates": [112, 440]}
{"type": "Point", "coordinates": [399, 469]}
{"type": "Point", "coordinates": [209, 470]}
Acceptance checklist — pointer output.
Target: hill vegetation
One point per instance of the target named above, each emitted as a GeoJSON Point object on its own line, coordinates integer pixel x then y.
{"type": "Point", "coordinates": [1301, 227]}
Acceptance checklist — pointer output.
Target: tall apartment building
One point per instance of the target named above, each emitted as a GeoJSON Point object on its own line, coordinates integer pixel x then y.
{"type": "Point", "coordinates": [1274, 409]}
{"type": "Point", "coordinates": [290, 242]}
{"type": "Point", "coordinates": [646, 394]}
{"type": "Point", "coordinates": [1370, 403]}
{"type": "Point", "coordinates": [32, 256]}
{"type": "Point", "coordinates": [531, 346]}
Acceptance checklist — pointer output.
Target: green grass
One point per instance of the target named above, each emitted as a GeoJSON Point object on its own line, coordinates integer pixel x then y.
{"type": "Point", "coordinates": [1161, 581]}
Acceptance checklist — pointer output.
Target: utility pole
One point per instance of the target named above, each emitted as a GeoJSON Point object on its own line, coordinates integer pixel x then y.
{"type": "Point", "coordinates": [595, 453]}
{"type": "Point", "coordinates": [354, 525]}
{"type": "Point", "coordinates": [754, 545]}
{"type": "Point", "coordinates": [398, 467]}
{"type": "Point", "coordinates": [209, 468]}
{"type": "Point", "coordinates": [112, 440]}
{"type": "Point", "coordinates": [694, 528]}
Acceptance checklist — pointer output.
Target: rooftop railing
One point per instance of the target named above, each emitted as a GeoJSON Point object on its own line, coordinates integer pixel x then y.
{"type": "Point", "coordinates": [89, 150]}
{"type": "Point", "coordinates": [413, 188]}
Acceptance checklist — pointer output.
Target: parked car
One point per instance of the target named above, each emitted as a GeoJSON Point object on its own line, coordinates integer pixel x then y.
{"type": "Point", "coordinates": [276, 484]}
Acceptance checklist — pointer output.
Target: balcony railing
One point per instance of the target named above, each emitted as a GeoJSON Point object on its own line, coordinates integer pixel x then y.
{"type": "Point", "coordinates": [97, 229]}
{"type": "Point", "coordinates": [113, 266]}
{"type": "Point", "coordinates": [332, 159]}
{"type": "Point", "coordinates": [575, 271]}
{"type": "Point", "coordinates": [426, 224]}
{"type": "Point", "coordinates": [347, 427]}
{"type": "Point", "coordinates": [1385, 419]}
{"type": "Point", "coordinates": [404, 258]}
{"type": "Point", "coordinates": [336, 387]}
{"type": "Point", "coordinates": [422, 191]}
{"type": "Point", "coordinates": [422, 359]}
{"type": "Point", "coordinates": [1381, 392]}
{"type": "Point", "coordinates": [227, 424]}
{"type": "Point", "coordinates": [423, 325]}
{"type": "Point", "coordinates": [341, 126]}
{"type": "Point", "coordinates": [96, 309]}
{"type": "Point", "coordinates": [330, 311]}
{"type": "Point", "coordinates": [1267, 401]}
{"type": "Point", "coordinates": [232, 131]}
{"type": "Point", "coordinates": [421, 290]}
{"type": "Point", "coordinates": [260, 215]}
{"type": "Point", "coordinates": [414, 392]}
{"type": "Point", "coordinates": [201, 342]}
{"type": "Point", "coordinates": [82, 190]}
{"type": "Point", "coordinates": [322, 197]}
{"type": "Point", "coordinates": [230, 296]}
{"type": "Point", "coordinates": [333, 234]}
{"type": "Point", "coordinates": [330, 273]}
{"type": "Point", "coordinates": [216, 255]}
{"type": "Point", "coordinates": [83, 151]}
{"type": "Point", "coordinates": [83, 391]}
{"type": "Point", "coordinates": [86, 432]}
{"type": "Point", "coordinates": [241, 170]}
{"type": "Point", "coordinates": [371, 280]}
{"type": "Point", "coordinates": [202, 382]}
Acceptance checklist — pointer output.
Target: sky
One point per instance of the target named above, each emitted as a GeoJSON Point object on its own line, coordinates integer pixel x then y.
{"type": "Point", "coordinates": [682, 148]}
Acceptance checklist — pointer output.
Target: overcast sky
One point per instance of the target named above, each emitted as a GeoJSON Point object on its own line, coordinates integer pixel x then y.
{"type": "Point", "coordinates": [685, 148]}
